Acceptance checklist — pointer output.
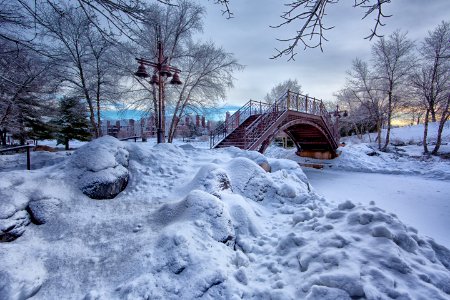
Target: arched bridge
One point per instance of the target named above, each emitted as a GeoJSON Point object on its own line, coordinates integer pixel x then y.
{"type": "Point", "coordinates": [304, 119]}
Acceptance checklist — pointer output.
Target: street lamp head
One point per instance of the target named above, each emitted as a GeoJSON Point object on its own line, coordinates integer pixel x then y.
{"type": "Point", "coordinates": [176, 79]}
{"type": "Point", "coordinates": [154, 79]}
{"type": "Point", "coordinates": [165, 71]}
{"type": "Point", "coordinates": [141, 72]}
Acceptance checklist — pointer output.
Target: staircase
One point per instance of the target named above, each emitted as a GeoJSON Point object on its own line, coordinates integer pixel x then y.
{"type": "Point", "coordinates": [255, 123]}
{"type": "Point", "coordinates": [237, 137]}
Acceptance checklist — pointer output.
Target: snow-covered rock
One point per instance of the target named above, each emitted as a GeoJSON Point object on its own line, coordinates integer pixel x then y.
{"type": "Point", "coordinates": [103, 164]}
{"type": "Point", "coordinates": [13, 227]}
{"type": "Point", "coordinates": [42, 210]}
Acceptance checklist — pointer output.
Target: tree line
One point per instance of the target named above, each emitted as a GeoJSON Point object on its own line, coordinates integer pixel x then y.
{"type": "Point", "coordinates": [402, 77]}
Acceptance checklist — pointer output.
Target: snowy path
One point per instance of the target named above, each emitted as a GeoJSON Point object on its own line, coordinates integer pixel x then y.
{"type": "Point", "coordinates": [419, 202]}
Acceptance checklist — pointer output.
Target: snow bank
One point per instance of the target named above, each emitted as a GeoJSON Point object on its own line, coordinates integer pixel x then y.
{"type": "Point", "coordinates": [211, 224]}
{"type": "Point", "coordinates": [366, 252]}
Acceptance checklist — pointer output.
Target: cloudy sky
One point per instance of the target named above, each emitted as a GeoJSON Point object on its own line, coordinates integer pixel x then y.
{"type": "Point", "coordinates": [253, 42]}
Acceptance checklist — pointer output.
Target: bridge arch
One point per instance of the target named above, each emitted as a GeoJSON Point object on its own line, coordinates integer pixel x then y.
{"type": "Point", "coordinates": [306, 135]}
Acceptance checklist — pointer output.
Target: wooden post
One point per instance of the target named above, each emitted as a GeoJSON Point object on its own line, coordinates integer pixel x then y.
{"type": "Point", "coordinates": [28, 159]}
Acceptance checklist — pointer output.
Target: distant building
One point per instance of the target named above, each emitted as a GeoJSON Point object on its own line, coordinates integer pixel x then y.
{"type": "Point", "coordinates": [146, 127]}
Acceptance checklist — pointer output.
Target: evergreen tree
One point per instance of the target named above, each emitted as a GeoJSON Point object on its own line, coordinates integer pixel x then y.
{"type": "Point", "coordinates": [72, 122]}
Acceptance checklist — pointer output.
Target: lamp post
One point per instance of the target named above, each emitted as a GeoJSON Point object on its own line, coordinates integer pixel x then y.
{"type": "Point", "coordinates": [161, 72]}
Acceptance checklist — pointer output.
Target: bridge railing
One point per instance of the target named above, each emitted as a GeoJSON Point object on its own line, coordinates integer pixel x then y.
{"type": "Point", "coordinates": [267, 118]}
{"type": "Point", "coordinates": [288, 101]}
{"type": "Point", "coordinates": [235, 120]}
{"type": "Point", "coordinates": [269, 113]}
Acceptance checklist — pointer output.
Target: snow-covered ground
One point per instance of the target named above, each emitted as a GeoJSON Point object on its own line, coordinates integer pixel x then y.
{"type": "Point", "coordinates": [213, 224]}
{"type": "Point", "coordinates": [423, 203]}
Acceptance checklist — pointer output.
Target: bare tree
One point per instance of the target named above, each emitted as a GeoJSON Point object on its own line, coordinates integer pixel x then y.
{"type": "Point", "coordinates": [363, 89]}
{"type": "Point", "coordinates": [431, 79]}
{"type": "Point", "coordinates": [360, 119]}
{"type": "Point", "coordinates": [281, 88]}
{"type": "Point", "coordinates": [393, 61]}
{"type": "Point", "coordinates": [85, 59]}
{"type": "Point", "coordinates": [25, 82]}
{"type": "Point", "coordinates": [207, 73]}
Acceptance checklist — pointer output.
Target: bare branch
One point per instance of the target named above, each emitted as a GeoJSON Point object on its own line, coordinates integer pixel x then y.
{"type": "Point", "coordinates": [310, 15]}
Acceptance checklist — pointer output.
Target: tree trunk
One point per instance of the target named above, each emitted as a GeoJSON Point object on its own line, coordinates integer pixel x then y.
{"type": "Point", "coordinates": [357, 131]}
{"type": "Point", "coordinates": [3, 137]}
{"type": "Point", "coordinates": [388, 132]}
{"type": "Point", "coordinates": [99, 121]}
{"type": "Point", "coordinates": [439, 136]}
{"type": "Point", "coordinates": [379, 133]}
{"type": "Point", "coordinates": [444, 118]}
{"type": "Point", "coordinates": [173, 129]}
{"type": "Point", "coordinates": [180, 113]}
{"type": "Point", "coordinates": [66, 144]}
{"type": "Point", "coordinates": [425, 132]}
{"type": "Point", "coordinates": [174, 122]}
{"type": "Point", "coordinates": [433, 114]}
{"type": "Point", "coordinates": [92, 118]}
{"type": "Point", "coordinates": [86, 94]}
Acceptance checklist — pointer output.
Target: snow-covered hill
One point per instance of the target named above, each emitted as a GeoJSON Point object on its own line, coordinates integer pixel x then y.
{"type": "Point", "coordinates": [197, 223]}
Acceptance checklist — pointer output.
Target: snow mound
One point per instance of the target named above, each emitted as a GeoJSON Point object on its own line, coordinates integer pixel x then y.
{"type": "Point", "coordinates": [17, 282]}
{"type": "Point", "coordinates": [190, 253]}
{"type": "Point", "coordinates": [212, 179]}
{"type": "Point", "coordinates": [356, 251]}
{"type": "Point", "coordinates": [255, 156]}
{"type": "Point", "coordinates": [206, 211]}
{"type": "Point", "coordinates": [103, 168]}
{"type": "Point", "coordinates": [251, 181]}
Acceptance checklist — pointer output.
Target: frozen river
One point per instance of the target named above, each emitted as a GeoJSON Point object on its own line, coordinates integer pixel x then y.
{"type": "Point", "coordinates": [419, 202]}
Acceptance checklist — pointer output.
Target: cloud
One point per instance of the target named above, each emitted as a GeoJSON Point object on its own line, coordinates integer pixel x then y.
{"type": "Point", "coordinates": [253, 42]}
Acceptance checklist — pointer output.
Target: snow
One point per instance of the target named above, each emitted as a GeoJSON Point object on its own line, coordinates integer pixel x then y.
{"type": "Point", "coordinates": [214, 224]}
{"type": "Point", "coordinates": [420, 202]}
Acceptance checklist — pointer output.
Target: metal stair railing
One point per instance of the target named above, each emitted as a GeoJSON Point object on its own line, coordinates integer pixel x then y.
{"type": "Point", "coordinates": [263, 122]}
{"type": "Point", "coordinates": [235, 120]}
